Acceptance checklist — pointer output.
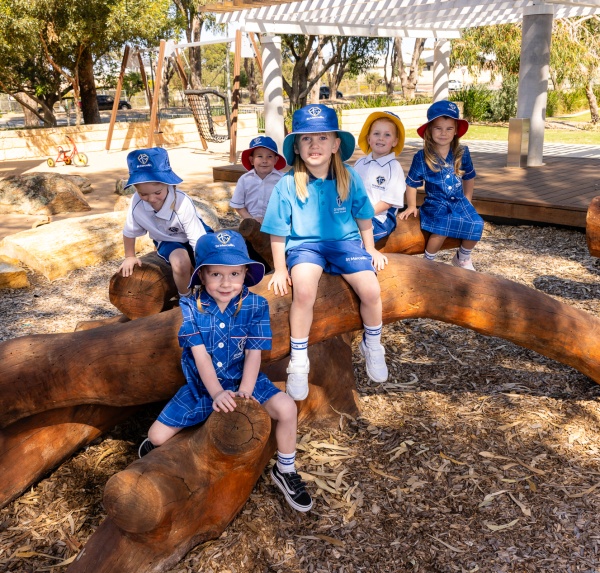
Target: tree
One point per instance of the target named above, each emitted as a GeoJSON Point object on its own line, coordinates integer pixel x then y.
{"type": "Point", "coordinates": [63, 40]}
{"type": "Point", "coordinates": [409, 80]}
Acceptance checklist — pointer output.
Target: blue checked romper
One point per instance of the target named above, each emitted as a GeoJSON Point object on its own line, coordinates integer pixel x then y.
{"type": "Point", "coordinates": [446, 211]}
{"type": "Point", "coordinates": [226, 336]}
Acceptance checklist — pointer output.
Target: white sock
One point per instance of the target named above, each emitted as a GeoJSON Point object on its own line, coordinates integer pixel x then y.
{"type": "Point", "coordinates": [463, 254]}
{"type": "Point", "coordinates": [429, 256]}
{"type": "Point", "coordinates": [286, 462]}
{"type": "Point", "coordinates": [299, 349]}
{"type": "Point", "coordinates": [372, 336]}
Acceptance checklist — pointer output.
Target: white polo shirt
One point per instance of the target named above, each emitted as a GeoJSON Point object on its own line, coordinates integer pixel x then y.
{"type": "Point", "coordinates": [176, 222]}
{"type": "Point", "coordinates": [383, 179]}
{"type": "Point", "coordinates": [253, 193]}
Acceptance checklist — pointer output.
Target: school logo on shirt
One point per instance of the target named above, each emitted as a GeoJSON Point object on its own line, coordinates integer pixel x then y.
{"type": "Point", "coordinates": [223, 238]}
{"type": "Point", "coordinates": [314, 111]}
{"type": "Point", "coordinates": [340, 206]}
{"type": "Point", "coordinates": [173, 230]}
{"type": "Point", "coordinates": [380, 180]}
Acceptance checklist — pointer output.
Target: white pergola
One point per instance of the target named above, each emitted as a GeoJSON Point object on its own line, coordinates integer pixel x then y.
{"type": "Point", "coordinates": [438, 19]}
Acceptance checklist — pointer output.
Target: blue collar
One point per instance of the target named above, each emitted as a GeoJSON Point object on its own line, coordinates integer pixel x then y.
{"type": "Point", "coordinates": [209, 304]}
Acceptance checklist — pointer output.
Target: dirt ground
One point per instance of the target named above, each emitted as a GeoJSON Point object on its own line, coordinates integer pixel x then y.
{"type": "Point", "coordinates": [476, 455]}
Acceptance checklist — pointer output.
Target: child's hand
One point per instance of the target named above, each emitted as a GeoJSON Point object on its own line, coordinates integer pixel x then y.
{"type": "Point", "coordinates": [128, 265]}
{"type": "Point", "coordinates": [379, 259]}
{"type": "Point", "coordinates": [224, 401]}
{"type": "Point", "coordinates": [279, 281]}
{"type": "Point", "coordinates": [245, 395]}
{"type": "Point", "coordinates": [409, 211]}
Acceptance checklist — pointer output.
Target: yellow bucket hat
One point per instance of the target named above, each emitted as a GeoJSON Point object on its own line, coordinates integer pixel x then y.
{"type": "Point", "coordinates": [364, 132]}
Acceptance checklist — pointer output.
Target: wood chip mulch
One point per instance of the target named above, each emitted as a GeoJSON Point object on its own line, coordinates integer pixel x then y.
{"type": "Point", "coordinates": [476, 455]}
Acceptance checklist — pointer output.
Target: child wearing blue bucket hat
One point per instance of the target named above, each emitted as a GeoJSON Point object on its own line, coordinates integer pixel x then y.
{"type": "Point", "coordinates": [253, 189]}
{"type": "Point", "coordinates": [319, 219]}
{"type": "Point", "coordinates": [168, 215]}
{"type": "Point", "coordinates": [225, 327]}
{"type": "Point", "coordinates": [446, 169]}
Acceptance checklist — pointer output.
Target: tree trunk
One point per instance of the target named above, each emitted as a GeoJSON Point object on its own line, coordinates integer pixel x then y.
{"type": "Point", "coordinates": [35, 445]}
{"type": "Point", "coordinates": [592, 227]}
{"type": "Point", "coordinates": [409, 81]}
{"type": "Point", "coordinates": [147, 291]}
{"type": "Point", "coordinates": [31, 119]}
{"type": "Point", "coordinates": [139, 362]}
{"type": "Point", "coordinates": [250, 68]}
{"type": "Point", "coordinates": [87, 88]}
{"type": "Point", "coordinates": [591, 96]}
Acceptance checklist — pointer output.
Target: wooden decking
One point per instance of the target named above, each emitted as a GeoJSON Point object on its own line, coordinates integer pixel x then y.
{"type": "Point", "coordinates": [557, 193]}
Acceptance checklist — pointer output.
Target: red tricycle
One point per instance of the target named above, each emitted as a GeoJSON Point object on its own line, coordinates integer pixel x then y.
{"type": "Point", "coordinates": [68, 156]}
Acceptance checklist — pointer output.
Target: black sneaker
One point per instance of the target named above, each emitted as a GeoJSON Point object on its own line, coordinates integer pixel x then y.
{"type": "Point", "coordinates": [293, 488]}
{"type": "Point", "coordinates": [145, 448]}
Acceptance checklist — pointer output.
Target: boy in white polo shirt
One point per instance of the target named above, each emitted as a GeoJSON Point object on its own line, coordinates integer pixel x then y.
{"type": "Point", "coordinates": [382, 138]}
{"type": "Point", "coordinates": [166, 214]}
{"type": "Point", "coordinates": [254, 188]}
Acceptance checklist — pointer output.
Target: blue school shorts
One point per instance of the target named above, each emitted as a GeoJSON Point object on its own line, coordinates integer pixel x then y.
{"type": "Point", "coordinates": [334, 257]}
{"type": "Point", "coordinates": [165, 249]}
{"type": "Point", "coordinates": [381, 230]}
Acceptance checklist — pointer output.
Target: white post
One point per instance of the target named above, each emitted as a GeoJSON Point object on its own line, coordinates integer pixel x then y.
{"type": "Point", "coordinates": [533, 76]}
{"type": "Point", "coordinates": [273, 88]}
{"type": "Point", "coordinates": [441, 69]}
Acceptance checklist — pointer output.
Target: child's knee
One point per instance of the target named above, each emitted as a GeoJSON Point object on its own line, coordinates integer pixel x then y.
{"type": "Point", "coordinates": [180, 261]}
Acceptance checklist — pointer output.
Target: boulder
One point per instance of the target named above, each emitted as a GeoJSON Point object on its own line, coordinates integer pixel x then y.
{"type": "Point", "coordinates": [11, 274]}
{"type": "Point", "coordinates": [43, 194]}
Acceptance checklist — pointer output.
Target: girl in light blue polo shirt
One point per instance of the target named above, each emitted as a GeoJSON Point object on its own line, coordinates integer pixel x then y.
{"type": "Point", "coordinates": [319, 218]}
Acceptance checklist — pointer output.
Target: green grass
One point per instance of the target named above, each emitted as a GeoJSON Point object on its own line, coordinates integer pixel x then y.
{"type": "Point", "coordinates": [490, 133]}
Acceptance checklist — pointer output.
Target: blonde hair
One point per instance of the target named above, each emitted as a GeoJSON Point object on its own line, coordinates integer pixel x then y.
{"type": "Point", "coordinates": [336, 166]}
{"type": "Point", "coordinates": [433, 159]}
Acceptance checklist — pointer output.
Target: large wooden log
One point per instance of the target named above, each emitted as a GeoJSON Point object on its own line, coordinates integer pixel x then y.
{"type": "Point", "coordinates": [181, 494]}
{"type": "Point", "coordinates": [147, 291]}
{"type": "Point", "coordinates": [139, 361]}
{"type": "Point", "coordinates": [407, 238]}
{"type": "Point", "coordinates": [592, 227]}
{"type": "Point", "coordinates": [33, 446]}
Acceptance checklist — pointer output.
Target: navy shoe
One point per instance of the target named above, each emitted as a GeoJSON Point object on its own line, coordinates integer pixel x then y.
{"type": "Point", "coordinates": [293, 488]}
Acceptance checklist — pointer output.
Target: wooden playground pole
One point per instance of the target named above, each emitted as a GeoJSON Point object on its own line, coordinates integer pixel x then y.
{"type": "Point", "coordinates": [144, 79]}
{"type": "Point", "coordinates": [113, 115]}
{"type": "Point", "coordinates": [236, 95]}
{"type": "Point", "coordinates": [155, 97]}
{"type": "Point", "coordinates": [257, 53]}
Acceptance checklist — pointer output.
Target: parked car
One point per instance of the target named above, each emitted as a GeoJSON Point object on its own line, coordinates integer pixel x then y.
{"type": "Point", "coordinates": [324, 93]}
{"type": "Point", "coordinates": [107, 101]}
{"type": "Point", "coordinates": [454, 85]}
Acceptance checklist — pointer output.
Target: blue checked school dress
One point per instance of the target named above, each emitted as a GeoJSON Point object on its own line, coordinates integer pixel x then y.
{"type": "Point", "coordinates": [446, 211]}
{"type": "Point", "coordinates": [226, 336]}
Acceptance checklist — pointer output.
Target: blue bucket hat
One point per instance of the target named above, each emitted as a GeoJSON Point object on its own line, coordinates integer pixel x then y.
{"type": "Point", "coordinates": [267, 143]}
{"type": "Point", "coordinates": [317, 118]}
{"type": "Point", "coordinates": [149, 166]}
{"type": "Point", "coordinates": [445, 108]}
{"type": "Point", "coordinates": [229, 249]}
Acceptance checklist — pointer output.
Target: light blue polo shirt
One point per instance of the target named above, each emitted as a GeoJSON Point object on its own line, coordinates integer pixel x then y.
{"type": "Point", "coordinates": [322, 217]}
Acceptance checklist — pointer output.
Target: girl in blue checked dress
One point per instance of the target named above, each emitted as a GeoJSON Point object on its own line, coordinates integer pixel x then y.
{"type": "Point", "coordinates": [225, 327]}
{"type": "Point", "coordinates": [445, 166]}
{"type": "Point", "coordinates": [319, 218]}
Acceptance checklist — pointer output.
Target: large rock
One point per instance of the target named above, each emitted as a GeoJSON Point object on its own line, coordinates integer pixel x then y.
{"type": "Point", "coordinates": [44, 194]}
{"type": "Point", "coordinates": [56, 249]}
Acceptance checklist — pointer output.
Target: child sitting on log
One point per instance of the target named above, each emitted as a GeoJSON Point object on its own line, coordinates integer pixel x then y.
{"type": "Point", "coordinates": [254, 188]}
{"type": "Point", "coordinates": [445, 166]}
{"type": "Point", "coordinates": [225, 327]}
{"type": "Point", "coordinates": [382, 139]}
{"type": "Point", "coordinates": [319, 219]}
{"type": "Point", "coordinates": [168, 215]}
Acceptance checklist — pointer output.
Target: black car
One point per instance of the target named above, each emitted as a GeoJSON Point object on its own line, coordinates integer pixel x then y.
{"type": "Point", "coordinates": [107, 101]}
{"type": "Point", "coordinates": [324, 93]}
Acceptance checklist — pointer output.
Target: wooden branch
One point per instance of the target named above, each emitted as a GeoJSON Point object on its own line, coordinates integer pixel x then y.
{"type": "Point", "coordinates": [592, 227]}
{"type": "Point", "coordinates": [139, 361]}
{"type": "Point", "coordinates": [147, 291]}
{"type": "Point", "coordinates": [33, 446]}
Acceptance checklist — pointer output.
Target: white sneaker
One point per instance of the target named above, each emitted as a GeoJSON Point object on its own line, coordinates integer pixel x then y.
{"type": "Point", "coordinates": [466, 264]}
{"type": "Point", "coordinates": [297, 381]}
{"type": "Point", "coordinates": [375, 365]}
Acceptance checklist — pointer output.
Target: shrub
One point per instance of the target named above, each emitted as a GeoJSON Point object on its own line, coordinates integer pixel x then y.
{"type": "Point", "coordinates": [476, 101]}
{"type": "Point", "coordinates": [503, 103]}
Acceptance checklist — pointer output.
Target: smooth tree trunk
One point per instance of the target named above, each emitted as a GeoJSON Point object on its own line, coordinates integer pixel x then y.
{"type": "Point", "coordinates": [87, 88]}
